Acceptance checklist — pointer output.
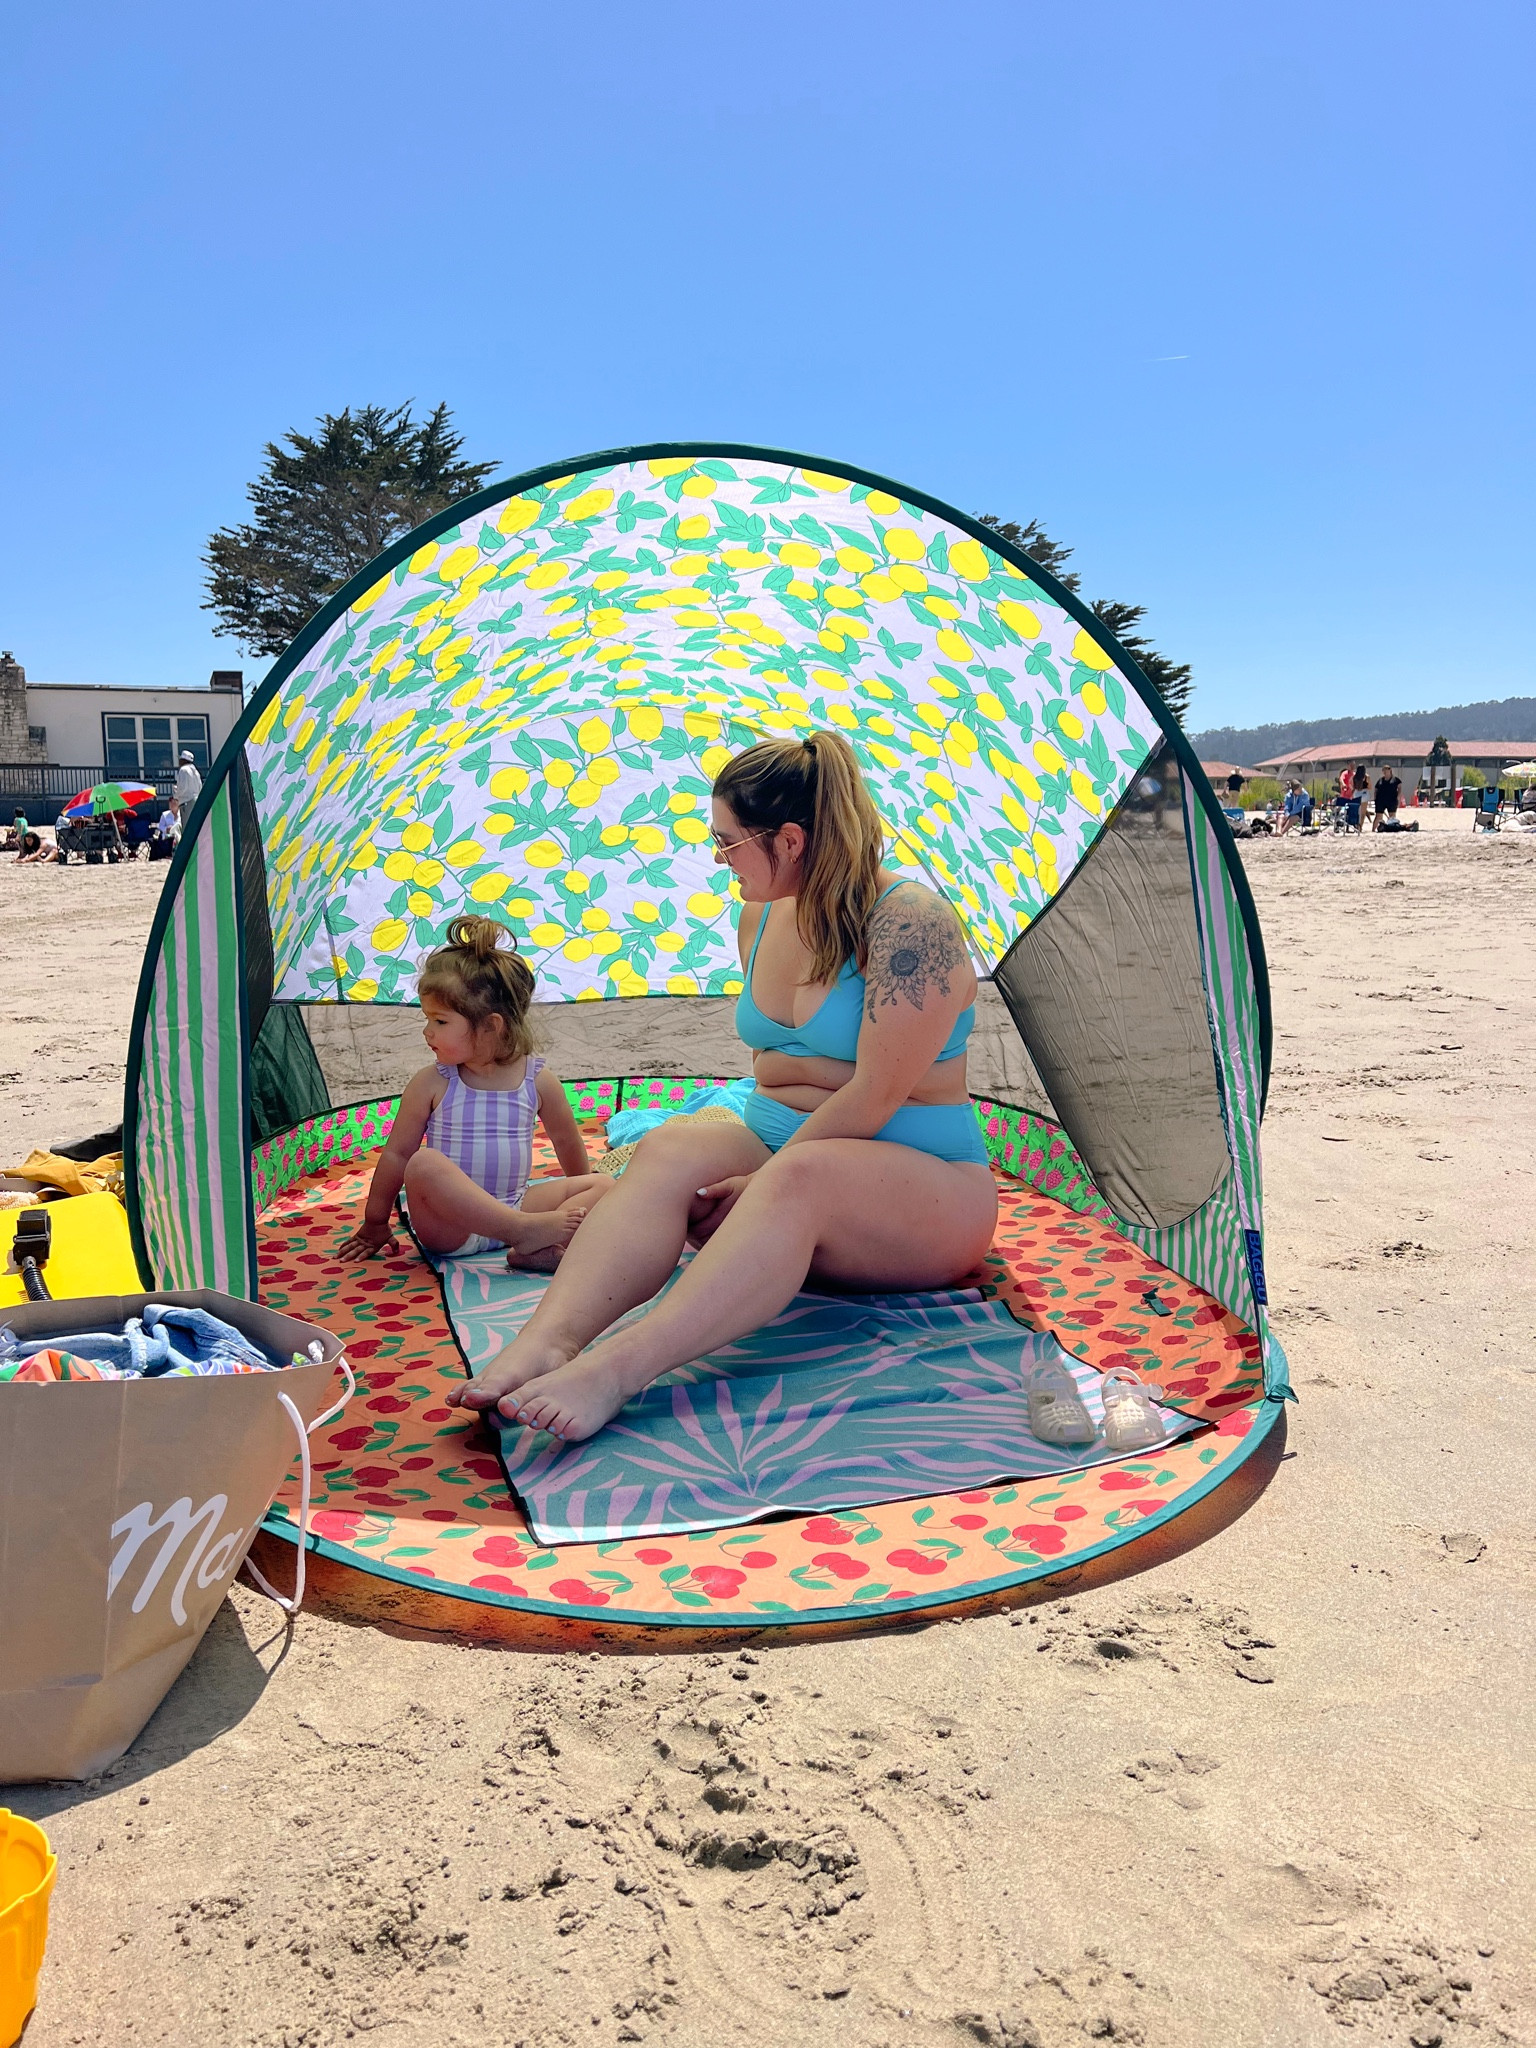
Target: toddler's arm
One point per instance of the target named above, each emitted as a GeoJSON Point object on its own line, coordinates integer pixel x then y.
{"type": "Point", "coordinates": [559, 1123]}
{"type": "Point", "coordinates": [374, 1233]}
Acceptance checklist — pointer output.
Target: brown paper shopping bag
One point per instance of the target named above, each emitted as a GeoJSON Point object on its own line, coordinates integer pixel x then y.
{"type": "Point", "coordinates": [126, 1507]}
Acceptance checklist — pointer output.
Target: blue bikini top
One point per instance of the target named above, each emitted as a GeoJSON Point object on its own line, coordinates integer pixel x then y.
{"type": "Point", "coordinates": [832, 1031]}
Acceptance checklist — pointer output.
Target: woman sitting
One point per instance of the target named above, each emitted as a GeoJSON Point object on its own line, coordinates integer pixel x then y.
{"type": "Point", "coordinates": [860, 1164]}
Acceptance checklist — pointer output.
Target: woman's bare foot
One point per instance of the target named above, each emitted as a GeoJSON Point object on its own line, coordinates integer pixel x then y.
{"type": "Point", "coordinates": [508, 1370]}
{"type": "Point", "coordinates": [576, 1399]}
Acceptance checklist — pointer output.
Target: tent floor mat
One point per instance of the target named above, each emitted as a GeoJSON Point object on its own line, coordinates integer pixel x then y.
{"type": "Point", "coordinates": [413, 1524]}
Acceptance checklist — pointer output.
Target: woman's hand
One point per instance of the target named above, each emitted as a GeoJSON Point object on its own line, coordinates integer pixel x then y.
{"type": "Point", "coordinates": [711, 1206]}
{"type": "Point", "coordinates": [368, 1241]}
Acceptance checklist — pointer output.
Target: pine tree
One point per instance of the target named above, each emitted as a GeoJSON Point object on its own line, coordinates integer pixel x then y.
{"type": "Point", "coordinates": [1173, 681]}
{"type": "Point", "coordinates": [325, 505]}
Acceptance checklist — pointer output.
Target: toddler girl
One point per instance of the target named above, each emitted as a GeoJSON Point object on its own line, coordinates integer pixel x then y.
{"type": "Point", "coordinates": [468, 1184]}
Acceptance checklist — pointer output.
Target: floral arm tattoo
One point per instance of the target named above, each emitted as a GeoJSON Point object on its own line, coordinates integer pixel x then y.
{"type": "Point", "coordinates": [914, 945]}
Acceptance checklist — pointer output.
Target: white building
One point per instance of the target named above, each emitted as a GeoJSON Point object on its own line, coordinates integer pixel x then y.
{"type": "Point", "coordinates": [1410, 759]}
{"type": "Point", "coordinates": [53, 734]}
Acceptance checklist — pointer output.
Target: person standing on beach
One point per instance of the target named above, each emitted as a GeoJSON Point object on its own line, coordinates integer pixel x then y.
{"type": "Point", "coordinates": [1389, 790]}
{"type": "Point", "coordinates": [188, 786]}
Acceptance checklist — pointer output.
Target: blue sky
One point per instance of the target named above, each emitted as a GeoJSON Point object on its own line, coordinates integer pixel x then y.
{"type": "Point", "coordinates": [1238, 300]}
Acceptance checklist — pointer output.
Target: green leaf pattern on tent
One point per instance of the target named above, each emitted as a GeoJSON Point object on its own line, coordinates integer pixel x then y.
{"type": "Point", "coordinates": [525, 719]}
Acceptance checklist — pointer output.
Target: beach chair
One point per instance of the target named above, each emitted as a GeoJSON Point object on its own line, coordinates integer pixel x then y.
{"type": "Point", "coordinates": [1490, 802]}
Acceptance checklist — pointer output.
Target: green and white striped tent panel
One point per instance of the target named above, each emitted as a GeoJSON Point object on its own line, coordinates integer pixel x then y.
{"type": "Point", "coordinates": [1220, 1247]}
{"type": "Point", "coordinates": [189, 1173]}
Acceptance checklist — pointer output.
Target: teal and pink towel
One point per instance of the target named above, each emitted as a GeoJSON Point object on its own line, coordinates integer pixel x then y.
{"type": "Point", "coordinates": [841, 1401]}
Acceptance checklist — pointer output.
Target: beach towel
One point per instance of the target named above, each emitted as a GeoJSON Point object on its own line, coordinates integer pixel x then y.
{"type": "Point", "coordinates": [841, 1401]}
{"type": "Point", "coordinates": [626, 1126]}
{"type": "Point", "coordinates": [162, 1342]}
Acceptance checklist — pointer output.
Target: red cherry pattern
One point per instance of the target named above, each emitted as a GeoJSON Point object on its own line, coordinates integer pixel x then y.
{"type": "Point", "coordinates": [405, 1481]}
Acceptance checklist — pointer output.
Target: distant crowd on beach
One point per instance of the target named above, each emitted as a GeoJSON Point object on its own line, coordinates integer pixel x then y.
{"type": "Point", "coordinates": [1354, 797]}
{"type": "Point", "coordinates": [1354, 800]}
{"type": "Point", "coordinates": [125, 831]}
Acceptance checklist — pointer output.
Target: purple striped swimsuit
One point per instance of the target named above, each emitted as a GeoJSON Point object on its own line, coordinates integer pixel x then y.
{"type": "Point", "coordinates": [488, 1132]}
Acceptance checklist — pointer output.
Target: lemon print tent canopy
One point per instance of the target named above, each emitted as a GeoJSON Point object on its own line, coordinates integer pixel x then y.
{"type": "Point", "coordinates": [520, 709]}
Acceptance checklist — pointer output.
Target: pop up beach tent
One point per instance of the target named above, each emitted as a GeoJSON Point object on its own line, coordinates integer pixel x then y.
{"type": "Point", "coordinates": [519, 709]}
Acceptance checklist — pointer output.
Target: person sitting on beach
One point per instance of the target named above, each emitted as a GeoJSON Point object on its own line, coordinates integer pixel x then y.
{"type": "Point", "coordinates": [468, 1186]}
{"type": "Point", "coordinates": [859, 1163]}
{"type": "Point", "coordinates": [35, 848]}
{"type": "Point", "coordinates": [1297, 805]}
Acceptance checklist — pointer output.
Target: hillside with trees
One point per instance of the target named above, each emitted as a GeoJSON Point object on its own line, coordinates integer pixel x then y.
{"type": "Point", "coordinates": [1504, 718]}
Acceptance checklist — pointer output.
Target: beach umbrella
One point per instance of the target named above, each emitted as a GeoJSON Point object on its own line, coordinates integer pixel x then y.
{"type": "Point", "coordinates": [1519, 771]}
{"type": "Point", "coordinates": [109, 796]}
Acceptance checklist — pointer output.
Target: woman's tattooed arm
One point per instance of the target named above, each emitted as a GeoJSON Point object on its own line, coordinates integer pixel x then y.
{"type": "Point", "coordinates": [914, 947]}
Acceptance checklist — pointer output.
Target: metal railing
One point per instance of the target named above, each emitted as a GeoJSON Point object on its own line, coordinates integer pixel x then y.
{"type": "Point", "coordinates": [42, 790]}
{"type": "Point", "coordinates": [43, 779]}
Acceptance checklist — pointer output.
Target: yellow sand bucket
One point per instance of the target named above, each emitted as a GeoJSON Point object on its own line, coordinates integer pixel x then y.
{"type": "Point", "coordinates": [27, 1870]}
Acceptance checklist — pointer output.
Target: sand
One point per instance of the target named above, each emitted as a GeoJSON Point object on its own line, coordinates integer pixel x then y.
{"type": "Point", "coordinates": [1278, 1789]}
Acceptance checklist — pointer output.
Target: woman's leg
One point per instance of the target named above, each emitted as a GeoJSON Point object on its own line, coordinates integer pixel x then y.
{"type": "Point", "coordinates": [626, 1251]}
{"type": "Point", "coordinates": [447, 1207]}
{"type": "Point", "coordinates": [861, 1214]}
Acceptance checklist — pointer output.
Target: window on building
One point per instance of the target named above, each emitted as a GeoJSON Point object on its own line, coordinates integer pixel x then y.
{"type": "Point", "coordinates": [142, 745]}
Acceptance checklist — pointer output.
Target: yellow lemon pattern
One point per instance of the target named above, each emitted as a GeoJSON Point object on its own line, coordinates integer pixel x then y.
{"type": "Point", "coordinates": [525, 715]}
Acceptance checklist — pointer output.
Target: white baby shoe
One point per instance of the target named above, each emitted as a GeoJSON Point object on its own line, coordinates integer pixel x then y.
{"type": "Point", "coordinates": [1056, 1411]}
{"type": "Point", "coordinates": [1131, 1422]}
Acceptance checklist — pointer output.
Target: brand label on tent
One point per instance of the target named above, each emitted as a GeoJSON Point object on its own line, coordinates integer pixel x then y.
{"type": "Point", "coordinates": [1255, 1245]}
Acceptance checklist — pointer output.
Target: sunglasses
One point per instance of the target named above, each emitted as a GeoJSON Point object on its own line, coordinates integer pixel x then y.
{"type": "Point", "coordinates": [724, 846]}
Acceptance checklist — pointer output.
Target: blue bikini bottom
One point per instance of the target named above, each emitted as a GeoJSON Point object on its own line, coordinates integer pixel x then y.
{"type": "Point", "coordinates": [946, 1130]}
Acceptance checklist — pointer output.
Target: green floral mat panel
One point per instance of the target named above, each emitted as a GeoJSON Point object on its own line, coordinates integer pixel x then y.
{"type": "Point", "coordinates": [1039, 1152]}
{"type": "Point", "coordinates": [331, 1139]}
{"type": "Point", "coordinates": [1026, 1146]}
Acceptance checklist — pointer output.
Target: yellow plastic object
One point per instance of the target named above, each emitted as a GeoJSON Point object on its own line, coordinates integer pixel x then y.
{"type": "Point", "coordinates": [28, 1868]}
{"type": "Point", "coordinates": [91, 1251]}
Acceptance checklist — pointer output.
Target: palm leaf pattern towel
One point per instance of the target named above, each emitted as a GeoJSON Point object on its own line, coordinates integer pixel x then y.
{"type": "Point", "coordinates": [840, 1401]}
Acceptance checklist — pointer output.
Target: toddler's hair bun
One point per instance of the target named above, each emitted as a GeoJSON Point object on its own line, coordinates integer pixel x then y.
{"type": "Point", "coordinates": [481, 936]}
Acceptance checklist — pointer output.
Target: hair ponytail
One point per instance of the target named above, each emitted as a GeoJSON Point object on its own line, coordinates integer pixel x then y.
{"type": "Point", "coordinates": [815, 783]}
{"type": "Point", "coordinates": [481, 978]}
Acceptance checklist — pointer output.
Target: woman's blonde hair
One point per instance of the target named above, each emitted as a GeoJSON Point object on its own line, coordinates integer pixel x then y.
{"type": "Point", "coordinates": [481, 978]}
{"type": "Point", "coordinates": [815, 783]}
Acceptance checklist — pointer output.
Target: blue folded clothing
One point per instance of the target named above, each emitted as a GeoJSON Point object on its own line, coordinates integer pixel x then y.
{"type": "Point", "coordinates": [629, 1124]}
{"type": "Point", "coordinates": [186, 1342]}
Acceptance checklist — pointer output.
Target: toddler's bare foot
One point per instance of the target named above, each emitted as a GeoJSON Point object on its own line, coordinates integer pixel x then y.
{"type": "Point", "coordinates": [576, 1399]}
{"type": "Point", "coordinates": [536, 1262]}
{"type": "Point", "coordinates": [508, 1370]}
{"type": "Point", "coordinates": [542, 1231]}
